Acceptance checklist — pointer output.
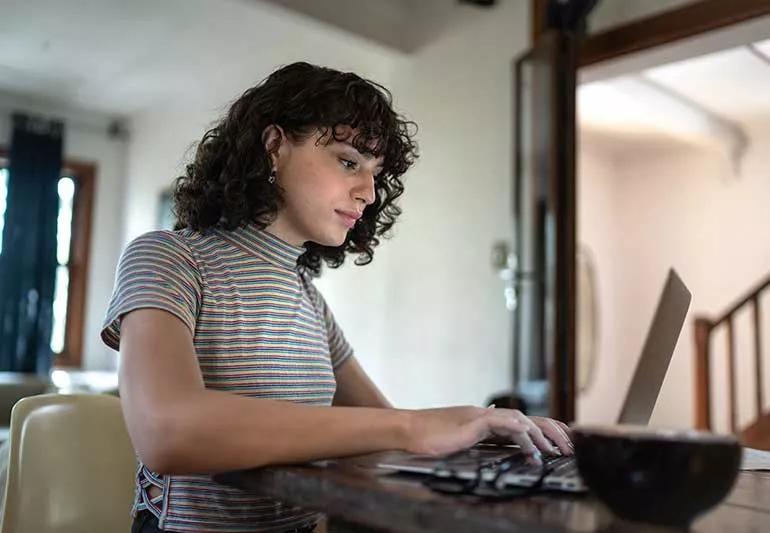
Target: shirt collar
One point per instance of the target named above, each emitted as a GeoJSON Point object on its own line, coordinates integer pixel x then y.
{"type": "Point", "coordinates": [267, 246]}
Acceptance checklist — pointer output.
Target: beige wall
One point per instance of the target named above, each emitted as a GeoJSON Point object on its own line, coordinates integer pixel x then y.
{"type": "Point", "coordinates": [645, 207]}
{"type": "Point", "coordinates": [438, 305]}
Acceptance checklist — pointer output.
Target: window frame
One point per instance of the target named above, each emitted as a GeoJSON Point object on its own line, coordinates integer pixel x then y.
{"type": "Point", "coordinates": [84, 174]}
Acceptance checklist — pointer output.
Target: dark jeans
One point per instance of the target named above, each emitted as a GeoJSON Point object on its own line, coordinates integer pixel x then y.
{"type": "Point", "coordinates": [146, 522]}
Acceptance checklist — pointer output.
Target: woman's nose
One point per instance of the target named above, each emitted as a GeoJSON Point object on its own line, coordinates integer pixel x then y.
{"type": "Point", "coordinates": [365, 190]}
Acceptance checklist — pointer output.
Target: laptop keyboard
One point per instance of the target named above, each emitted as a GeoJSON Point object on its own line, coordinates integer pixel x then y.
{"type": "Point", "coordinates": [559, 467]}
{"type": "Point", "coordinates": [562, 466]}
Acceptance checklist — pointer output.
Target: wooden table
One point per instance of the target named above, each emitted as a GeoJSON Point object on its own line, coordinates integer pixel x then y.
{"type": "Point", "coordinates": [356, 491]}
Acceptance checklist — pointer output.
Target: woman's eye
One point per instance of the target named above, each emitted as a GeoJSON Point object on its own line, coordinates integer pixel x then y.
{"type": "Point", "coordinates": [349, 164]}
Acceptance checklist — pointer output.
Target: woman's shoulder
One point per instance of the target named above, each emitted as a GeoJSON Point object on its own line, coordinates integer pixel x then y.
{"type": "Point", "coordinates": [186, 241]}
{"type": "Point", "coordinates": [164, 246]}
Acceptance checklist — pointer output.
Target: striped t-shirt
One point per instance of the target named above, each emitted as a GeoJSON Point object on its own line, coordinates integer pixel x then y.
{"type": "Point", "coordinates": [260, 329]}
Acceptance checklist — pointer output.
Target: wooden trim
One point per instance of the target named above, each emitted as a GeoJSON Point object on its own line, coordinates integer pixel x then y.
{"type": "Point", "coordinates": [702, 370]}
{"type": "Point", "coordinates": [758, 355]}
{"type": "Point", "coordinates": [757, 435]}
{"type": "Point", "coordinates": [669, 26]}
{"type": "Point", "coordinates": [732, 391]}
{"type": "Point", "coordinates": [703, 329]}
{"type": "Point", "coordinates": [557, 350]}
{"type": "Point", "coordinates": [565, 209]}
{"type": "Point", "coordinates": [750, 295]}
{"type": "Point", "coordinates": [85, 173]}
{"type": "Point", "coordinates": [539, 9]}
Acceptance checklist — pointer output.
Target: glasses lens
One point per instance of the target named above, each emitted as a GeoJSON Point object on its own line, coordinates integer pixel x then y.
{"type": "Point", "coordinates": [451, 485]}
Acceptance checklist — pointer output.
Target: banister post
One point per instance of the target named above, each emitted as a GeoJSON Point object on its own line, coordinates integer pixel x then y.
{"type": "Point", "coordinates": [702, 381]}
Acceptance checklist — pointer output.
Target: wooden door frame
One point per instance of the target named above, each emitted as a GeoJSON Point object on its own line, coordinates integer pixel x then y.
{"type": "Point", "coordinates": [80, 248]}
{"type": "Point", "coordinates": [635, 36]}
{"type": "Point", "coordinates": [656, 30]}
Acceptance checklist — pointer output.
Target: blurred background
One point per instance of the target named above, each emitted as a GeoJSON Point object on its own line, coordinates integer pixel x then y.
{"type": "Point", "coordinates": [671, 168]}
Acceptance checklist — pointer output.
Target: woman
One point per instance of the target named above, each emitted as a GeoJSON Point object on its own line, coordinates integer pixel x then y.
{"type": "Point", "coordinates": [230, 358]}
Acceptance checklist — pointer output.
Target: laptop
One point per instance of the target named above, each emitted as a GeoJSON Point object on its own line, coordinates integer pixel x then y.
{"type": "Point", "coordinates": [562, 473]}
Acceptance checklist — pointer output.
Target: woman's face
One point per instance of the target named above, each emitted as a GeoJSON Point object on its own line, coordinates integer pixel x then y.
{"type": "Point", "coordinates": [326, 187]}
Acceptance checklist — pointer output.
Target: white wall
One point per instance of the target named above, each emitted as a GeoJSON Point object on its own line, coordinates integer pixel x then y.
{"type": "Point", "coordinates": [643, 209]}
{"type": "Point", "coordinates": [440, 312]}
{"type": "Point", "coordinates": [86, 139]}
{"type": "Point", "coordinates": [598, 234]}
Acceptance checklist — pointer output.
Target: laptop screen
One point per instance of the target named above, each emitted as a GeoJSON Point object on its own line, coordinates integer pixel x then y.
{"type": "Point", "coordinates": [657, 351]}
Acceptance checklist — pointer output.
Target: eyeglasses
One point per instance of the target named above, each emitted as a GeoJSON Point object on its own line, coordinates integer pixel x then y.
{"type": "Point", "coordinates": [488, 479]}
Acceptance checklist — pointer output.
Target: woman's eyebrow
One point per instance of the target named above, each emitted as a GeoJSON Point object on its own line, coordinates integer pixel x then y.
{"type": "Point", "coordinates": [362, 154]}
{"type": "Point", "coordinates": [368, 157]}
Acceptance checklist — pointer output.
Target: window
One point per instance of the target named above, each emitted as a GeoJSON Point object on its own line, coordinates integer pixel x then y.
{"type": "Point", "coordinates": [63, 243]}
{"type": "Point", "coordinates": [73, 228]}
{"type": "Point", "coordinates": [3, 197]}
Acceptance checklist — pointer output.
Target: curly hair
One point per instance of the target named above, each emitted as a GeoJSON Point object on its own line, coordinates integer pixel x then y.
{"type": "Point", "coordinates": [227, 187]}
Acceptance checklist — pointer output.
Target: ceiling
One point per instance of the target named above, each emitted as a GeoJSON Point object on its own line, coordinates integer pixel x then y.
{"type": "Point", "coordinates": [119, 57]}
{"type": "Point", "coordinates": [732, 84]}
{"type": "Point", "coordinates": [404, 25]}
{"type": "Point", "coordinates": [107, 56]}
{"type": "Point", "coordinates": [122, 56]}
{"type": "Point", "coordinates": [711, 89]}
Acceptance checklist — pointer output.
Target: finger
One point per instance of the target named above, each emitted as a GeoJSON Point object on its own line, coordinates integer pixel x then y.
{"type": "Point", "coordinates": [554, 432]}
{"type": "Point", "coordinates": [568, 432]}
{"type": "Point", "coordinates": [516, 431]}
{"type": "Point", "coordinates": [537, 436]}
{"type": "Point", "coordinates": [565, 427]}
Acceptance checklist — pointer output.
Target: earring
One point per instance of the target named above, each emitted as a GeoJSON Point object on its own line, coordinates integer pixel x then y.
{"type": "Point", "coordinates": [271, 177]}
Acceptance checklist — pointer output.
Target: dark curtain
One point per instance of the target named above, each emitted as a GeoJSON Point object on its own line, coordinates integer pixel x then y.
{"type": "Point", "coordinates": [28, 258]}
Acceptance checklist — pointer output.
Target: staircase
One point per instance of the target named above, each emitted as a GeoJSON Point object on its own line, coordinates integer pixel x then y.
{"type": "Point", "coordinates": [756, 434]}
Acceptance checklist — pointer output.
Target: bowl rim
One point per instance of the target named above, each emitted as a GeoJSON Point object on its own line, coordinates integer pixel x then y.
{"type": "Point", "coordinates": [654, 433]}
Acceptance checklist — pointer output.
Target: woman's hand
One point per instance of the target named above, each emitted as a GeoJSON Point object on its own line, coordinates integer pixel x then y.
{"type": "Point", "coordinates": [443, 431]}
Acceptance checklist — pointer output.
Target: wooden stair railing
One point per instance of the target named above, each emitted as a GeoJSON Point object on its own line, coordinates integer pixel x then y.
{"type": "Point", "coordinates": [704, 328]}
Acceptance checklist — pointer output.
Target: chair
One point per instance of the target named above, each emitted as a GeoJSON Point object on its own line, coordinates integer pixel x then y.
{"type": "Point", "coordinates": [71, 466]}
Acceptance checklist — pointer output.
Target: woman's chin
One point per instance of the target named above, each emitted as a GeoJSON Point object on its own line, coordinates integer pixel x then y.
{"type": "Point", "coordinates": [333, 241]}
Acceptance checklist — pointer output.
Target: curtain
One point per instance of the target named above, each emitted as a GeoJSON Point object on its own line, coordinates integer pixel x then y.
{"type": "Point", "coordinates": [28, 259]}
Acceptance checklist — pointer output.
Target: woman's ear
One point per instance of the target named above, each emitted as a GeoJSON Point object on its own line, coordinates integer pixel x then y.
{"type": "Point", "coordinates": [273, 139]}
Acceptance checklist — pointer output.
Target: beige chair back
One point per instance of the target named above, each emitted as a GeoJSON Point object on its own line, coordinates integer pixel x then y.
{"type": "Point", "coordinates": [71, 466]}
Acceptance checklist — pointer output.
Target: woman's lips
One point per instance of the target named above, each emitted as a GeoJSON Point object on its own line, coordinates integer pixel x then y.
{"type": "Point", "coordinates": [348, 219]}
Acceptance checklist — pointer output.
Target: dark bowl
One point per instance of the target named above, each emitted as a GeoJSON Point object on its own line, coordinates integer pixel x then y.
{"type": "Point", "coordinates": [656, 476]}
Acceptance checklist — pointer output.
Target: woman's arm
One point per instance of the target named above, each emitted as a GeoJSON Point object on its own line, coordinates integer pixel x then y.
{"type": "Point", "coordinates": [178, 426]}
{"type": "Point", "coordinates": [356, 389]}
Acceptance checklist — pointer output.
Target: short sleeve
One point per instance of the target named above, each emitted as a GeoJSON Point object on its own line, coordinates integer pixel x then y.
{"type": "Point", "coordinates": [339, 348]}
{"type": "Point", "coordinates": [156, 270]}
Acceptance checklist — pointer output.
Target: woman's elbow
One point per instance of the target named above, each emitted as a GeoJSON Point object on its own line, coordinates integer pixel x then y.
{"type": "Point", "coordinates": [156, 443]}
